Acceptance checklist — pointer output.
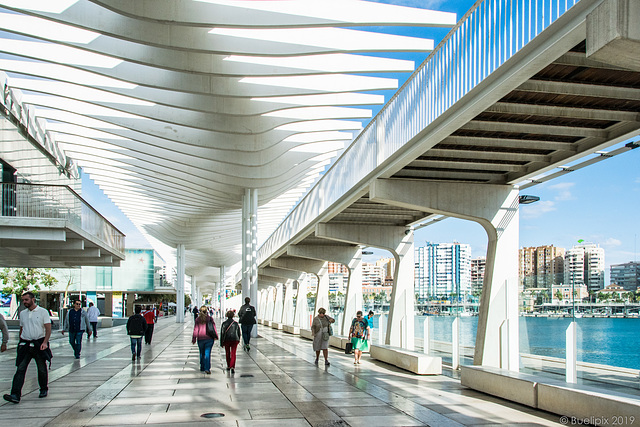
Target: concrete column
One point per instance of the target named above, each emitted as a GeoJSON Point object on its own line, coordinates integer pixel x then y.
{"type": "Point", "coordinates": [128, 311]}
{"type": "Point", "coordinates": [180, 267]}
{"type": "Point", "coordinates": [287, 312]}
{"type": "Point", "coordinates": [278, 304]}
{"type": "Point", "coordinates": [400, 243]}
{"type": "Point", "coordinates": [108, 304]}
{"type": "Point", "coordinates": [496, 208]}
{"type": "Point", "coordinates": [270, 303]}
{"type": "Point", "coordinates": [195, 294]}
{"type": "Point", "coordinates": [302, 307]}
{"type": "Point", "coordinates": [222, 289]}
{"type": "Point", "coordinates": [262, 303]}
{"type": "Point", "coordinates": [318, 268]}
{"type": "Point", "coordinates": [253, 267]}
{"type": "Point", "coordinates": [246, 243]}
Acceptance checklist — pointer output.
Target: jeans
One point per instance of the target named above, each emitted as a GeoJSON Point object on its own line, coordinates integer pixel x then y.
{"type": "Point", "coordinates": [230, 348]}
{"type": "Point", "coordinates": [75, 339]}
{"type": "Point", "coordinates": [136, 342]}
{"type": "Point", "coordinates": [246, 333]}
{"type": "Point", "coordinates": [148, 334]}
{"type": "Point", "coordinates": [43, 374]}
{"type": "Point", "coordinates": [205, 354]}
{"type": "Point", "coordinates": [94, 326]}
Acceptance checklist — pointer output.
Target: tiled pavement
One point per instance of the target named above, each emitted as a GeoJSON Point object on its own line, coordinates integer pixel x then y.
{"type": "Point", "coordinates": [275, 384]}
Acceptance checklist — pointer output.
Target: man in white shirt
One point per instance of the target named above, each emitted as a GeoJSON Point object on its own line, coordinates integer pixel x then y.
{"type": "Point", "coordinates": [35, 331]}
{"type": "Point", "coordinates": [93, 313]}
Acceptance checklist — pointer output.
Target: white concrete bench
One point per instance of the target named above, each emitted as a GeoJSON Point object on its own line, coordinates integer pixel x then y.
{"type": "Point", "coordinates": [306, 333]}
{"type": "Point", "coordinates": [514, 386]}
{"type": "Point", "coordinates": [105, 322]}
{"type": "Point", "coordinates": [291, 329]}
{"type": "Point", "coordinates": [582, 402]}
{"type": "Point", "coordinates": [260, 321]}
{"type": "Point", "coordinates": [338, 341]}
{"type": "Point", "coordinates": [276, 325]}
{"type": "Point", "coordinates": [573, 400]}
{"type": "Point", "coordinates": [266, 323]}
{"type": "Point", "coordinates": [414, 361]}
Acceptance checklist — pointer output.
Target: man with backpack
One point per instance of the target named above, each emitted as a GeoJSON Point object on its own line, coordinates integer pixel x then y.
{"type": "Point", "coordinates": [247, 317]}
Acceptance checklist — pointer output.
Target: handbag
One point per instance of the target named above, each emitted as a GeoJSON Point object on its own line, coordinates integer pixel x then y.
{"type": "Point", "coordinates": [325, 336]}
{"type": "Point", "coordinates": [211, 329]}
{"type": "Point", "coordinates": [330, 329]}
{"type": "Point", "coordinates": [348, 348]}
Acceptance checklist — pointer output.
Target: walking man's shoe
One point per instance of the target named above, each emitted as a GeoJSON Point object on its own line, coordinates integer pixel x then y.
{"type": "Point", "coordinates": [43, 393]}
{"type": "Point", "coordinates": [11, 398]}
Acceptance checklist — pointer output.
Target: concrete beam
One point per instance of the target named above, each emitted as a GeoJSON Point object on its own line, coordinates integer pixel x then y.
{"type": "Point", "coordinates": [278, 272]}
{"type": "Point", "coordinates": [613, 34]}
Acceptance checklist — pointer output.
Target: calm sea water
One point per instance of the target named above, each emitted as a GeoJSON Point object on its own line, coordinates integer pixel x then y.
{"type": "Point", "coordinates": [605, 341]}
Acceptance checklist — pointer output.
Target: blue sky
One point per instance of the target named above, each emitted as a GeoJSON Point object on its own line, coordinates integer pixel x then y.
{"type": "Point", "coordinates": [599, 204]}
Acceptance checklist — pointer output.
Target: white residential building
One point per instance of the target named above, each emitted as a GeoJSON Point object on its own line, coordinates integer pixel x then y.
{"type": "Point", "coordinates": [584, 264]}
{"type": "Point", "coordinates": [442, 269]}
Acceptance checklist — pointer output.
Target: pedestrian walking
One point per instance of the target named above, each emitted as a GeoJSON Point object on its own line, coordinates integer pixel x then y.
{"type": "Point", "coordinates": [359, 334]}
{"type": "Point", "coordinates": [92, 314]}
{"type": "Point", "coordinates": [151, 318]}
{"type": "Point", "coordinates": [204, 331]}
{"type": "Point", "coordinates": [136, 327]}
{"type": "Point", "coordinates": [320, 331]}
{"type": "Point", "coordinates": [195, 312]}
{"type": "Point", "coordinates": [35, 331]}
{"type": "Point", "coordinates": [229, 339]}
{"type": "Point", "coordinates": [5, 334]}
{"type": "Point", "coordinates": [76, 322]}
{"type": "Point", "coordinates": [247, 318]}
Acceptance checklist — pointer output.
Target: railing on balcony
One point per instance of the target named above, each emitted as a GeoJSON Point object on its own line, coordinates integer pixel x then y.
{"type": "Point", "coordinates": [58, 202]}
{"type": "Point", "coordinates": [489, 34]}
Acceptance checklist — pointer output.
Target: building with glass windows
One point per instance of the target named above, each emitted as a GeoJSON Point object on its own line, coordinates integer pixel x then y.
{"type": "Point", "coordinates": [626, 275]}
{"type": "Point", "coordinates": [442, 269]}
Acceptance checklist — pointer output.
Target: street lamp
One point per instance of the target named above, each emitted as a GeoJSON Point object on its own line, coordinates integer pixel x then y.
{"type": "Point", "coordinates": [526, 199]}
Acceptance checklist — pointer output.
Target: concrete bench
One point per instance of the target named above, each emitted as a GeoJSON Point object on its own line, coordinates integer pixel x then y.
{"type": "Point", "coordinates": [413, 361]}
{"type": "Point", "coordinates": [276, 325]}
{"type": "Point", "coordinates": [266, 323]}
{"type": "Point", "coordinates": [291, 329]}
{"type": "Point", "coordinates": [556, 396]}
{"type": "Point", "coordinates": [514, 386]}
{"type": "Point", "coordinates": [580, 401]}
{"type": "Point", "coordinates": [260, 321]}
{"type": "Point", "coordinates": [338, 341]}
{"type": "Point", "coordinates": [105, 322]}
{"type": "Point", "coordinates": [306, 333]}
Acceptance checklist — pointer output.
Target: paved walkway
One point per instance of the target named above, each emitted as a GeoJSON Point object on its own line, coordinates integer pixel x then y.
{"type": "Point", "coordinates": [275, 384]}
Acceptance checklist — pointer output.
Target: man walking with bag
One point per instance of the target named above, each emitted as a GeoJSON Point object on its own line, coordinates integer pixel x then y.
{"type": "Point", "coordinates": [35, 331]}
{"type": "Point", "coordinates": [247, 317]}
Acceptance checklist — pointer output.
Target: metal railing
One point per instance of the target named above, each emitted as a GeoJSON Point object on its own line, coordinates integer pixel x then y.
{"type": "Point", "coordinates": [57, 202]}
{"type": "Point", "coordinates": [484, 39]}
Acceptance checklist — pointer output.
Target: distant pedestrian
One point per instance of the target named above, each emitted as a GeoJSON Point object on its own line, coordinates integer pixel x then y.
{"type": "Point", "coordinates": [370, 318]}
{"type": "Point", "coordinates": [136, 327]}
{"type": "Point", "coordinates": [5, 334]}
{"type": "Point", "coordinates": [320, 331]}
{"type": "Point", "coordinates": [359, 335]}
{"type": "Point", "coordinates": [151, 318]}
{"type": "Point", "coordinates": [76, 322]}
{"type": "Point", "coordinates": [204, 331]}
{"type": "Point", "coordinates": [92, 314]}
{"type": "Point", "coordinates": [247, 317]}
{"type": "Point", "coordinates": [195, 312]}
{"type": "Point", "coordinates": [229, 339]}
{"type": "Point", "coordinates": [35, 331]}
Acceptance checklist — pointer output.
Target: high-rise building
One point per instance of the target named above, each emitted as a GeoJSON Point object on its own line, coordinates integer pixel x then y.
{"type": "Point", "coordinates": [372, 274]}
{"type": "Point", "coordinates": [442, 269]}
{"type": "Point", "coordinates": [626, 275]}
{"type": "Point", "coordinates": [388, 265]}
{"type": "Point", "coordinates": [477, 274]}
{"type": "Point", "coordinates": [541, 267]}
{"type": "Point", "coordinates": [585, 264]}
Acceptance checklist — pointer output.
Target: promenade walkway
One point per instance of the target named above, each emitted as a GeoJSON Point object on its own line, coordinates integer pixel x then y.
{"type": "Point", "coordinates": [276, 384]}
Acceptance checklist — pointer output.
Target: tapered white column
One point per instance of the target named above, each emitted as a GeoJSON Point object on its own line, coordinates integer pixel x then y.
{"type": "Point", "coordinates": [496, 209]}
{"type": "Point", "coordinates": [302, 307]}
{"type": "Point", "coordinates": [180, 267]}
{"type": "Point", "coordinates": [278, 304]}
{"type": "Point", "coordinates": [288, 311]}
{"type": "Point", "coordinates": [250, 244]}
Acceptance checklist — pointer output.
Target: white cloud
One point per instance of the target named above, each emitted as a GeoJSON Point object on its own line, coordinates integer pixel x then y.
{"type": "Point", "coordinates": [611, 242]}
{"type": "Point", "coordinates": [564, 190]}
{"type": "Point", "coordinates": [536, 210]}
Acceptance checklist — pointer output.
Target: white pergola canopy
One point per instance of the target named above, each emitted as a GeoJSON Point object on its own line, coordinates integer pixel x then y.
{"type": "Point", "coordinates": [175, 107]}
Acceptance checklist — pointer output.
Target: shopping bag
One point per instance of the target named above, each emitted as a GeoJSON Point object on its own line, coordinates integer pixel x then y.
{"type": "Point", "coordinates": [348, 348]}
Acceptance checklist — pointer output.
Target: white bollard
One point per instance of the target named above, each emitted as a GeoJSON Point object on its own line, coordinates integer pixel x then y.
{"type": "Point", "coordinates": [455, 344]}
{"type": "Point", "coordinates": [426, 334]}
{"type": "Point", "coordinates": [571, 354]}
{"type": "Point", "coordinates": [382, 323]}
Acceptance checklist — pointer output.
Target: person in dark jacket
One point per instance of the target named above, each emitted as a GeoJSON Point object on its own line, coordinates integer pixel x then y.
{"type": "Point", "coordinates": [229, 339]}
{"type": "Point", "coordinates": [76, 322]}
{"type": "Point", "coordinates": [136, 327]}
{"type": "Point", "coordinates": [247, 317]}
